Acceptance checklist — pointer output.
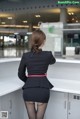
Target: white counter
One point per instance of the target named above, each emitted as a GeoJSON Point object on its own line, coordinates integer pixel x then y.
{"type": "Point", "coordinates": [2, 60]}
{"type": "Point", "coordinates": [11, 84]}
{"type": "Point", "coordinates": [68, 86]}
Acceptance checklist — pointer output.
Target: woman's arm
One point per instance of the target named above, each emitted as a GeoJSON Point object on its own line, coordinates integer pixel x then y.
{"type": "Point", "coordinates": [22, 69]}
{"type": "Point", "coordinates": [52, 58]}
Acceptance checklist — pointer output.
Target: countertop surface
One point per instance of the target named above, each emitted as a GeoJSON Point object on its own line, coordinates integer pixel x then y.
{"type": "Point", "coordinates": [64, 85]}
{"type": "Point", "coordinates": [2, 60]}
{"type": "Point", "coordinates": [67, 86]}
{"type": "Point", "coordinates": [11, 84]}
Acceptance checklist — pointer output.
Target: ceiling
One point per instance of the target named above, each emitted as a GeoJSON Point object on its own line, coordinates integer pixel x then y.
{"type": "Point", "coordinates": [20, 14]}
{"type": "Point", "coordinates": [12, 0]}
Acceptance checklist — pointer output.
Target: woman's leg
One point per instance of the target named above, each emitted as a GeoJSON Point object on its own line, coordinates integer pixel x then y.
{"type": "Point", "coordinates": [41, 108]}
{"type": "Point", "coordinates": [30, 106]}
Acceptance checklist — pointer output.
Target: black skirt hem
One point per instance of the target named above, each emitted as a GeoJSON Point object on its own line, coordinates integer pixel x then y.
{"type": "Point", "coordinates": [36, 95]}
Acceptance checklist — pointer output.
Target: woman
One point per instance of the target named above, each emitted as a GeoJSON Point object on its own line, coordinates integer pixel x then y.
{"type": "Point", "coordinates": [37, 87]}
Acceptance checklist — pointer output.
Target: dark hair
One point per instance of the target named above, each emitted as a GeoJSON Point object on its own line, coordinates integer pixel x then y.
{"type": "Point", "coordinates": [37, 39]}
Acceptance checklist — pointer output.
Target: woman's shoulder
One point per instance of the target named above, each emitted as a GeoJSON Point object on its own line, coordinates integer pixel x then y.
{"type": "Point", "coordinates": [47, 52]}
{"type": "Point", "coordinates": [25, 54]}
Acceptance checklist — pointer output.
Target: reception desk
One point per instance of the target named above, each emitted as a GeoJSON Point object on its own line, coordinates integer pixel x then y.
{"type": "Point", "coordinates": [65, 96]}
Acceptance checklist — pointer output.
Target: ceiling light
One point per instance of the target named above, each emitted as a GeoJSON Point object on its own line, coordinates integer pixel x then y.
{"type": "Point", "coordinates": [37, 15]}
{"type": "Point", "coordinates": [69, 13]}
{"type": "Point", "coordinates": [15, 26]}
{"type": "Point", "coordinates": [24, 21]}
{"type": "Point", "coordinates": [9, 17]}
{"type": "Point", "coordinates": [16, 33]}
{"type": "Point", "coordinates": [4, 15]}
{"type": "Point", "coordinates": [72, 13]}
{"type": "Point", "coordinates": [72, 18]}
{"type": "Point", "coordinates": [29, 33]}
{"type": "Point", "coordinates": [3, 22]}
{"type": "Point", "coordinates": [76, 21]}
{"type": "Point", "coordinates": [36, 27]}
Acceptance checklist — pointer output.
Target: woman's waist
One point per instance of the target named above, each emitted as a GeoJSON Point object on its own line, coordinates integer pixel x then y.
{"type": "Point", "coordinates": [37, 75]}
{"type": "Point", "coordinates": [38, 82]}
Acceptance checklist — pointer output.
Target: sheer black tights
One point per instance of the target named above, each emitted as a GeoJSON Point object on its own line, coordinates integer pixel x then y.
{"type": "Point", "coordinates": [35, 111]}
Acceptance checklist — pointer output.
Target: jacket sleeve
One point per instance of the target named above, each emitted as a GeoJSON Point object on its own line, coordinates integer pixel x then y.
{"type": "Point", "coordinates": [22, 69]}
{"type": "Point", "coordinates": [52, 58]}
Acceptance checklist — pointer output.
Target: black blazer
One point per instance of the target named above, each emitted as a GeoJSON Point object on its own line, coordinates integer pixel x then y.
{"type": "Point", "coordinates": [35, 63]}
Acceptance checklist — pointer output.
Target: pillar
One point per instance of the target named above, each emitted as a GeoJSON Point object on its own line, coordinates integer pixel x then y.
{"type": "Point", "coordinates": [29, 36]}
{"type": "Point", "coordinates": [63, 15]}
{"type": "Point", "coordinates": [63, 19]}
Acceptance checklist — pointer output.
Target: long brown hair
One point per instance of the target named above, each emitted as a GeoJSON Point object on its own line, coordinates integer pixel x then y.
{"type": "Point", "coordinates": [37, 39]}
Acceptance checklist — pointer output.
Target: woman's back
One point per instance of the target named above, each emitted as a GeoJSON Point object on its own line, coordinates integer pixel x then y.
{"type": "Point", "coordinates": [37, 63]}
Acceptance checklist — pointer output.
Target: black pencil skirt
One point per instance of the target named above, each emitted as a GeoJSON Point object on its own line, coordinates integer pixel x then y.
{"type": "Point", "coordinates": [36, 94]}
